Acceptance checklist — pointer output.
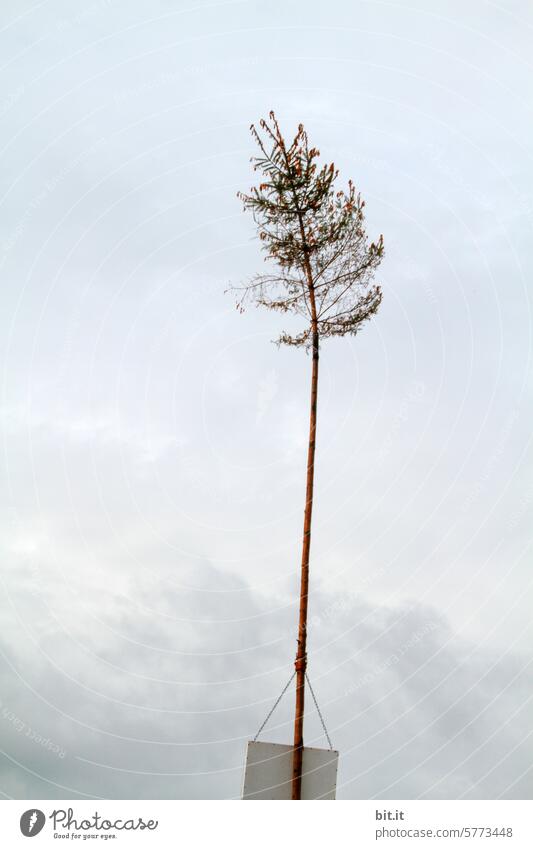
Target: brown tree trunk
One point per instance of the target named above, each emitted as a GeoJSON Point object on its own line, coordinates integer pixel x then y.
{"type": "Point", "coordinates": [301, 655]}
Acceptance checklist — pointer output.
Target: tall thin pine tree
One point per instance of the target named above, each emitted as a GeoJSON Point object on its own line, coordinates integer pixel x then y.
{"type": "Point", "coordinates": [322, 270]}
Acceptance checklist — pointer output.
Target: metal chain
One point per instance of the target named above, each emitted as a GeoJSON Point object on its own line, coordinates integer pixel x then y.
{"type": "Point", "coordinates": [319, 712]}
{"type": "Point", "coordinates": [276, 703]}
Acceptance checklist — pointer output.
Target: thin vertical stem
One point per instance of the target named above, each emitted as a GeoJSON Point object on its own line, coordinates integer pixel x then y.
{"type": "Point", "coordinates": [301, 655]}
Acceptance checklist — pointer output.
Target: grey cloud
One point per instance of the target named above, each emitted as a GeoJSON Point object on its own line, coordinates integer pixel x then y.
{"type": "Point", "coordinates": [155, 694]}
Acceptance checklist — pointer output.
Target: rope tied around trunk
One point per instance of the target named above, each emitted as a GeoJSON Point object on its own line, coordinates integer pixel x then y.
{"type": "Point", "coordinates": [278, 700]}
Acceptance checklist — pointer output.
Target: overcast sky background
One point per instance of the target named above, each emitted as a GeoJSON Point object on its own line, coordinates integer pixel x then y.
{"type": "Point", "coordinates": [154, 440]}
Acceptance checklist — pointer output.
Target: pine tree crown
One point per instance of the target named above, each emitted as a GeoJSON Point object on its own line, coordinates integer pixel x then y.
{"type": "Point", "coordinates": [313, 236]}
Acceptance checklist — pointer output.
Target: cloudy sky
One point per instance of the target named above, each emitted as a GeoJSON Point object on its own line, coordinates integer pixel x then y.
{"type": "Point", "coordinates": [153, 439]}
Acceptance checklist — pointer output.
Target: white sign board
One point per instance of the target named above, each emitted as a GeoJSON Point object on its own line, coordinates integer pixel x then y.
{"type": "Point", "coordinates": [268, 772]}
